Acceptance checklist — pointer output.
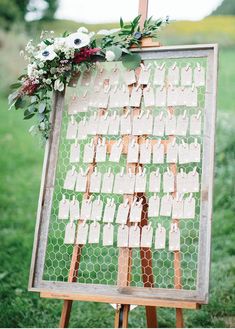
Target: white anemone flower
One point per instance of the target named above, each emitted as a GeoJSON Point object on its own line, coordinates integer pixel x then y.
{"type": "Point", "coordinates": [77, 40]}
{"type": "Point", "coordinates": [110, 56]}
{"type": "Point", "coordinates": [46, 54]}
{"type": "Point", "coordinates": [82, 29]}
{"type": "Point", "coordinates": [107, 32]}
{"type": "Point", "coordinates": [58, 85]}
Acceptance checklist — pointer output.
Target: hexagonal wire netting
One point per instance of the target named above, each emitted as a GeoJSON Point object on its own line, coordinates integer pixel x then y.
{"type": "Point", "coordinates": [98, 263]}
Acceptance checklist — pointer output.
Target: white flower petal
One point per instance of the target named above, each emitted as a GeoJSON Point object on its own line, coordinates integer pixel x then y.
{"type": "Point", "coordinates": [77, 40]}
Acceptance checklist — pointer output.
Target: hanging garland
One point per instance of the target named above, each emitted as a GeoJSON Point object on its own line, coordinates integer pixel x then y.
{"type": "Point", "coordinates": [55, 60]}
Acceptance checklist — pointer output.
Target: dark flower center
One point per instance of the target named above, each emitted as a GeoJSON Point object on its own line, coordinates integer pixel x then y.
{"type": "Point", "coordinates": [77, 41]}
{"type": "Point", "coordinates": [45, 53]}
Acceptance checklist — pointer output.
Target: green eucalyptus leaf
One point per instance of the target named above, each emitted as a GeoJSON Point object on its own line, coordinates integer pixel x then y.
{"type": "Point", "coordinates": [131, 61]}
{"type": "Point", "coordinates": [13, 97]}
{"type": "Point", "coordinates": [116, 50]}
{"type": "Point", "coordinates": [20, 103]}
{"type": "Point", "coordinates": [121, 22]}
{"type": "Point", "coordinates": [15, 85]}
{"type": "Point", "coordinates": [28, 115]}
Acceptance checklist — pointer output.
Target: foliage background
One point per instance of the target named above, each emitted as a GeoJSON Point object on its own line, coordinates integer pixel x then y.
{"type": "Point", "coordinates": [20, 169]}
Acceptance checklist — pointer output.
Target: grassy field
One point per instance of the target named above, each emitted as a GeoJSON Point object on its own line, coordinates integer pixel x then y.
{"type": "Point", "coordinates": [21, 162]}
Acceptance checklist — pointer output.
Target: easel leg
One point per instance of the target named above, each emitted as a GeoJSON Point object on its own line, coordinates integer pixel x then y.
{"type": "Point", "coordinates": [121, 316]}
{"type": "Point", "coordinates": [179, 318]}
{"type": "Point", "coordinates": [65, 314]}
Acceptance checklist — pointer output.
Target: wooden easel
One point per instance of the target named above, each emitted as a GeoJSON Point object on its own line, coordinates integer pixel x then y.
{"type": "Point", "coordinates": [125, 254]}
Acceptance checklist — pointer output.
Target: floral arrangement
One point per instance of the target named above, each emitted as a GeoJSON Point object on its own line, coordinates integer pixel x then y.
{"type": "Point", "coordinates": [54, 61]}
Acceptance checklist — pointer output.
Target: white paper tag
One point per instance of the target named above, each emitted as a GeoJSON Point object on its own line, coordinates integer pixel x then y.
{"type": "Point", "coordinates": [81, 182]}
{"type": "Point", "coordinates": [96, 210]}
{"type": "Point", "coordinates": [78, 105]}
{"type": "Point", "coordinates": [114, 99]}
{"type": "Point", "coordinates": [89, 153]}
{"type": "Point", "coordinates": [114, 77]}
{"type": "Point", "coordinates": [173, 96]}
{"type": "Point", "coordinates": [168, 182]}
{"type": "Point", "coordinates": [158, 152]}
{"type": "Point", "coordinates": [122, 213]}
{"type": "Point", "coordinates": [122, 236]}
{"type": "Point", "coordinates": [129, 183]}
{"type": "Point", "coordinates": [94, 233]}
{"type": "Point", "coordinates": [95, 182]}
{"type": "Point", "coordinates": [108, 234]}
{"type": "Point", "coordinates": [147, 124]}
{"type": "Point", "coordinates": [174, 238]}
{"type": "Point", "coordinates": [159, 76]}
{"type": "Point", "coordinates": [186, 76]}
{"type": "Point", "coordinates": [159, 125]}
{"type": "Point", "coordinates": [146, 236]}
{"type": "Point", "coordinates": [86, 209]}
{"type": "Point", "coordinates": [199, 76]}
{"type": "Point", "coordinates": [195, 152]}
{"type": "Point", "coordinates": [82, 130]}
{"type": "Point", "coordinates": [119, 183]}
{"type": "Point", "coordinates": [154, 205]}
{"type": "Point", "coordinates": [92, 124]}
{"type": "Point", "coordinates": [74, 211]}
{"type": "Point", "coordinates": [114, 124]}
{"type": "Point", "coordinates": [184, 155]}
{"type": "Point", "coordinates": [69, 237]}
{"type": "Point", "coordinates": [103, 125]}
{"type": "Point", "coordinates": [136, 211]}
{"type": "Point", "coordinates": [72, 129]}
{"type": "Point", "coordinates": [178, 207]}
{"type": "Point", "coordinates": [166, 205]}
{"type": "Point", "coordinates": [116, 151]}
{"type": "Point", "coordinates": [109, 211]}
{"type": "Point", "coordinates": [191, 96]}
{"type": "Point", "coordinates": [129, 77]}
{"type": "Point", "coordinates": [86, 77]}
{"type": "Point", "coordinates": [195, 124]}
{"type": "Point", "coordinates": [133, 152]}
{"type": "Point", "coordinates": [145, 152]}
{"type": "Point", "coordinates": [101, 150]}
{"type": "Point", "coordinates": [160, 237]}
{"type": "Point", "coordinates": [137, 125]}
{"type": "Point", "coordinates": [140, 182]}
{"type": "Point", "coordinates": [74, 153]}
{"type": "Point", "coordinates": [134, 237]}
{"type": "Point", "coordinates": [189, 207]}
{"type": "Point", "coordinates": [70, 179]}
{"type": "Point", "coordinates": [100, 77]}
{"type": "Point", "coordinates": [107, 185]}
{"type": "Point", "coordinates": [193, 181]}
{"type": "Point", "coordinates": [82, 233]}
{"type": "Point", "coordinates": [172, 152]}
{"type": "Point", "coordinates": [148, 97]}
{"type": "Point", "coordinates": [160, 97]}
{"type": "Point", "coordinates": [181, 182]}
{"type": "Point", "coordinates": [182, 125]}
{"type": "Point", "coordinates": [144, 76]}
{"type": "Point", "coordinates": [123, 96]}
{"type": "Point", "coordinates": [135, 98]}
{"type": "Point", "coordinates": [170, 124]}
{"type": "Point", "coordinates": [173, 75]}
{"type": "Point", "coordinates": [155, 182]}
{"type": "Point", "coordinates": [63, 208]}
{"type": "Point", "coordinates": [125, 125]}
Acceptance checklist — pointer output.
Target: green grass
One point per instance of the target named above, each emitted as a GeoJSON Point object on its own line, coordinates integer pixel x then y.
{"type": "Point", "coordinates": [21, 163]}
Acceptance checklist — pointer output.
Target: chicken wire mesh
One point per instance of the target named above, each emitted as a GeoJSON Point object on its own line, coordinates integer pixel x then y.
{"type": "Point", "coordinates": [99, 264]}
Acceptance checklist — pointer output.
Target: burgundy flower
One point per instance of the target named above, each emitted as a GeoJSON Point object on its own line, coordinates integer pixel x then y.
{"type": "Point", "coordinates": [84, 54]}
{"type": "Point", "coordinates": [28, 88]}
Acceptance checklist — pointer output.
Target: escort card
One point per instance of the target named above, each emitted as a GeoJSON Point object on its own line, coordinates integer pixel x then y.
{"type": "Point", "coordinates": [155, 181]}
{"type": "Point", "coordinates": [199, 76]}
{"type": "Point", "coordinates": [168, 181]}
{"type": "Point", "coordinates": [136, 211]}
{"type": "Point", "coordinates": [148, 94]}
{"type": "Point", "coordinates": [160, 96]}
{"type": "Point", "coordinates": [178, 207]}
{"type": "Point", "coordinates": [125, 124]}
{"type": "Point", "coordinates": [181, 182]}
{"type": "Point", "coordinates": [74, 211]}
{"type": "Point", "coordinates": [195, 152]}
{"type": "Point", "coordinates": [145, 152]}
{"type": "Point", "coordinates": [82, 129]}
{"type": "Point", "coordinates": [166, 205]}
{"type": "Point", "coordinates": [158, 152]}
{"type": "Point", "coordinates": [159, 125]}
{"type": "Point", "coordinates": [108, 231]}
{"type": "Point", "coordinates": [134, 236]}
{"type": "Point", "coordinates": [140, 181]}
{"type": "Point", "coordinates": [173, 74]}
{"type": "Point", "coordinates": [69, 237]}
{"type": "Point", "coordinates": [101, 149]}
{"type": "Point", "coordinates": [95, 181]}
{"type": "Point", "coordinates": [89, 152]}
{"type": "Point", "coordinates": [182, 125]}
{"type": "Point", "coordinates": [195, 124]}
{"type": "Point", "coordinates": [72, 128]}
{"type": "Point", "coordinates": [172, 152]}
{"type": "Point", "coordinates": [159, 75]}
{"type": "Point", "coordinates": [81, 181]}
{"type": "Point", "coordinates": [107, 185]}
{"type": "Point", "coordinates": [122, 213]}
{"type": "Point", "coordinates": [129, 77]}
{"type": "Point", "coordinates": [144, 74]}
{"type": "Point", "coordinates": [147, 123]}
{"type": "Point", "coordinates": [63, 208]}
{"type": "Point", "coordinates": [96, 210]}
{"type": "Point", "coordinates": [160, 237]}
{"type": "Point", "coordinates": [133, 152]}
{"type": "Point", "coordinates": [184, 154]}
{"type": "Point", "coordinates": [92, 124]}
{"type": "Point", "coordinates": [94, 233]}
{"type": "Point", "coordinates": [146, 236]}
{"type": "Point", "coordinates": [74, 152]}
{"type": "Point", "coordinates": [118, 183]}
{"type": "Point", "coordinates": [154, 205]}
{"type": "Point", "coordinates": [116, 151]}
{"type": "Point", "coordinates": [193, 181]}
{"type": "Point", "coordinates": [82, 233]}
{"type": "Point", "coordinates": [109, 211]}
{"type": "Point", "coordinates": [103, 124]}
{"type": "Point", "coordinates": [135, 98]}
{"type": "Point", "coordinates": [114, 123]}
{"type": "Point", "coordinates": [70, 179]}
{"type": "Point", "coordinates": [170, 124]}
{"type": "Point", "coordinates": [174, 238]}
{"type": "Point", "coordinates": [122, 236]}
{"type": "Point", "coordinates": [186, 76]}
{"type": "Point", "coordinates": [86, 209]}
{"type": "Point", "coordinates": [189, 207]}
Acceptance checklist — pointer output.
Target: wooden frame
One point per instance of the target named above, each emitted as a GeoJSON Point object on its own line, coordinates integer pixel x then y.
{"type": "Point", "coordinates": [133, 295]}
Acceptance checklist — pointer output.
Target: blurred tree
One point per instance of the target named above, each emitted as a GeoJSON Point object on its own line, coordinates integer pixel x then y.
{"type": "Point", "coordinates": [227, 7]}
{"type": "Point", "coordinates": [49, 12]}
{"type": "Point", "coordinates": [9, 13]}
